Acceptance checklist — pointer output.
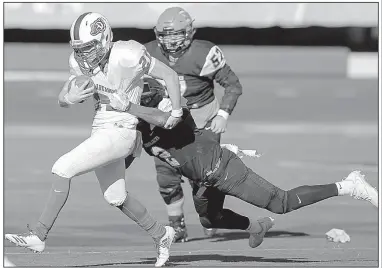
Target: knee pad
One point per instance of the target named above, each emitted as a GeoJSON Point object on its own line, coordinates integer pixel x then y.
{"type": "Point", "coordinates": [279, 202]}
{"type": "Point", "coordinates": [62, 167]}
{"type": "Point", "coordinates": [171, 195]}
{"type": "Point", "coordinates": [169, 181]}
{"type": "Point", "coordinates": [116, 194]}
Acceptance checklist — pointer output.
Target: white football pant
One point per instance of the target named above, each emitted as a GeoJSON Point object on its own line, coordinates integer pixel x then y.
{"type": "Point", "coordinates": [104, 152]}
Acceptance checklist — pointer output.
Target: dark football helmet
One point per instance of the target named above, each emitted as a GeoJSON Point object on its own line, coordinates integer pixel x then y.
{"type": "Point", "coordinates": [174, 31]}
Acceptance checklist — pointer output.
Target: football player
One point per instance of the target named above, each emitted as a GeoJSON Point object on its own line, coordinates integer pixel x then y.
{"type": "Point", "coordinates": [114, 67]}
{"type": "Point", "coordinates": [198, 63]}
{"type": "Point", "coordinates": [217, 172]}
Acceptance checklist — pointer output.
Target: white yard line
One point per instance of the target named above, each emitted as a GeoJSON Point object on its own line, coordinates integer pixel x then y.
{"type": "Point", "coordinates": [35, 76]}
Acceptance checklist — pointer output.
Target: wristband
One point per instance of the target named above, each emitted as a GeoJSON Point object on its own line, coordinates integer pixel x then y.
{"type": "Point", "coordinates": [67, 100]}
{"type": "Point", "coordinates": [223, 114]}
{"type": "Point", "coordinates": [177, 113]}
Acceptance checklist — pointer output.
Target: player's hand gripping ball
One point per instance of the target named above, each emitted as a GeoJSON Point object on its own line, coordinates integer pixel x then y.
{"type": "Point", "coordinates": [80, 88]}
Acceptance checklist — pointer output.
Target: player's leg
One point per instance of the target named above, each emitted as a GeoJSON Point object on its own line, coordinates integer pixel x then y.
{"type": "Point", "coordinates": [35, 240]}
{"type": "Point", "coordinates": [245, 184]}
{"type": "Point", "coordinates": [209, 205]}
{"type": "Point", "coordinates": [239, 181]}
{"type": "Point", "coordinates": [210, 232]}
{"type": "Point", "coordinates": [169, 181]}
{"type": "Point", "coordinates": [95, 151]}
{"type": "Point", "coordinates": [112, 182]}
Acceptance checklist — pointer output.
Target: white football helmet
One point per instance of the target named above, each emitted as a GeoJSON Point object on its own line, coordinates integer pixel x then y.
{"type": "Point", "coordinates": [91, 39]}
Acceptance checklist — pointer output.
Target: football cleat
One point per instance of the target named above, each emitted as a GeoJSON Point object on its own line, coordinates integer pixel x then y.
{"type": "Point", "coordinates": [163, 246]}
{"type": "Point", "coordinates": [29, 241]}
{"type": "Point", "coordinates": [209, 232]}
{"type": "Point", "coordinates": [177, 222]}
{"type": "Point", "coordinates": [362, 190]}
{"type": "Point", "coordinates": [255, 239]}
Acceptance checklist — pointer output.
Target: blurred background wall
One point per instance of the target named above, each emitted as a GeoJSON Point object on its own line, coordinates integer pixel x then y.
{"type": "Point", "coordinates": [352, 25]}
{"type": "Point", "coordinates": [319, 38]}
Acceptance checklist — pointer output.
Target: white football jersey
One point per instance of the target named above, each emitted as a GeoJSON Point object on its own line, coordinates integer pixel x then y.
{"type": "Point", "coordinates": [128, 62]}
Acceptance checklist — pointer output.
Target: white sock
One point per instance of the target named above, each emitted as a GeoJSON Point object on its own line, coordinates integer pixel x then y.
{"type": "Point", "coordinates": [176, 208]}
{"type": "Point", "coordinates": [345, 187]}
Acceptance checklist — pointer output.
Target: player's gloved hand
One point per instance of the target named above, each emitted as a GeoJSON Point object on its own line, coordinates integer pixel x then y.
{"type": "Point", "coordinates": [218, 124]}
{"type": "Point", "coordinates": [120, 102]}
{"type": "Point", "coordinates": [174, 119]}
{"type": "Point", "coordinates": [79, 94]}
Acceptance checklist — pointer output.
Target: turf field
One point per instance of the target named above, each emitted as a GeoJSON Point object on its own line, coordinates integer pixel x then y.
{"type": "Point", "coordinates": [310, 130]}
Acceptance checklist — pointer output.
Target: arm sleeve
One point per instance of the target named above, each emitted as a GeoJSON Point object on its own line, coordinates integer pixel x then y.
{"type": "Point", "coordinates": [232, 88]}
{"type": "Point", "coordinates": [216, 68]}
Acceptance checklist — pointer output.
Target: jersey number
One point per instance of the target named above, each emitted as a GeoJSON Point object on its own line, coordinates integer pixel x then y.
{"type": "Point", "coordinates": [165, 156]}
{"type": "Point", "coordinates": [217, 58]}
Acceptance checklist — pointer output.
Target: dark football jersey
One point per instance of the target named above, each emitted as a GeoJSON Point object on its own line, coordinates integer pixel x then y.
{"type": "Point", "coordinates": [194, 152]}
{"type": "Point", "coordinates": [196, 69]}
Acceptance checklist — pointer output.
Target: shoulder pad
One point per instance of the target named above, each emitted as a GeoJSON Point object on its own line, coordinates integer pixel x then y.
{"type": "Point", "coordinates": [130, 44]}
{"type": "Point", "coordinates": [151, 46]}
{"type": "Point", "coordinates": [203, 45]}
{"type": "Point", "coordinates": [130, 52]}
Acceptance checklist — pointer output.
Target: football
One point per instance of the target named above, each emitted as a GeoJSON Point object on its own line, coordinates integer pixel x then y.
{"type": "Point", "coordinates": [79, 80]}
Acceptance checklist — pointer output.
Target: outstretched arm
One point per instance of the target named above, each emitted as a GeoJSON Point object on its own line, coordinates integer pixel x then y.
{"type": "Point", "coordinates": [162, 71]}
{"type": "Point", "coordinates": [150, 115]}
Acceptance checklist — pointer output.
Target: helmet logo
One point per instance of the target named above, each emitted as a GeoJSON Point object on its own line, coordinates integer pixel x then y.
{"type": "Point", "coordinates": [98, 26]}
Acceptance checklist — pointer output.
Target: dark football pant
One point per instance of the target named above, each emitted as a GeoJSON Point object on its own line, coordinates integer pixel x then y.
{"type": "Point", "coordinates": [240, 181]}
{"type": "Point", "coordinates": [169, 180]}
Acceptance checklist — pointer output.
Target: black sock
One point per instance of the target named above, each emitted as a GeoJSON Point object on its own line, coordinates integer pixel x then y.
{"type": "Point", "coordinates": [306, 195]}
{"type": "Point", "coordinates": [227, 219]}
